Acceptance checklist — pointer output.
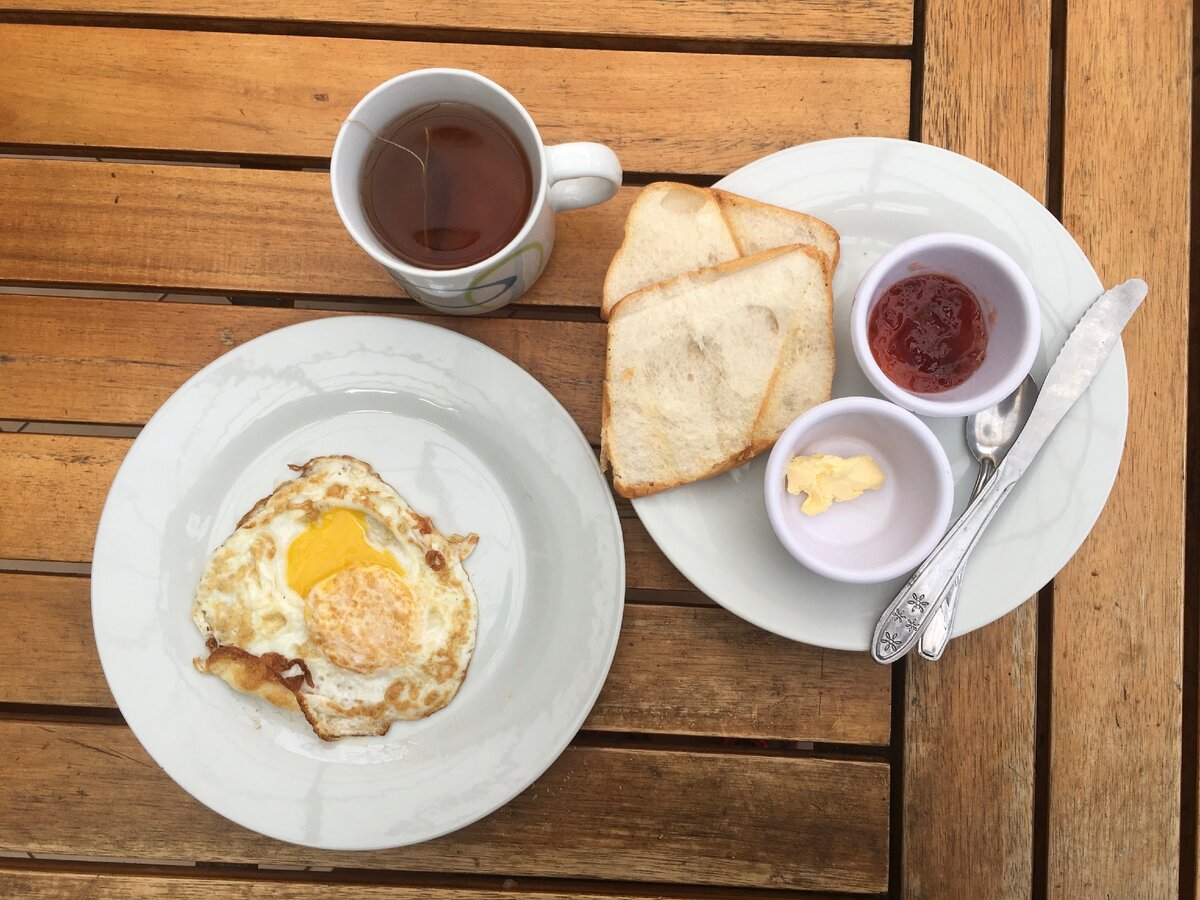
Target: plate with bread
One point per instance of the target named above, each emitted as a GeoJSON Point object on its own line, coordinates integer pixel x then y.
{"type": "Point", "coordinates": [728, 313]}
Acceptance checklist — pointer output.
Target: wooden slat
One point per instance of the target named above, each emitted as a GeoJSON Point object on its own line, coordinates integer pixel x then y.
{"type": "Point", "coordinates": [54, 488]}
{"type": "Point", "coordinates": [63, 481]}
{"type": "Point", "coordinates": [71, 360]}
{"type": "Point", "coordinates": [969, 718]}
{"type": "Point", "coordinates": [48, 885]}
{"type": "Point", "coordinates": [191, 228]}
{"type": "Point", "coordinates": [1118, 606]}
{"type": "Point", "coordinates": [33, 881]}
{"type": "Point", "coordinates": [283, 95]}
{"type": "Point", "coordinates": [969, 763]}
{"type": "Point", "coordinates": [678, 670]}
{"type": "Point", "coordinates": [704, 671]}
{"type": "Point", "coordinates": [598, 813]}
{"type": "Point", "coordinates": [50, 620]}
{"type": "Point", "coordinates": [825, 21]}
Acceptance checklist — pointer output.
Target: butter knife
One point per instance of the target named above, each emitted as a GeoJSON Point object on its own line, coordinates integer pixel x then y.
{"type": "Point", "coordinates": [1079, 361]}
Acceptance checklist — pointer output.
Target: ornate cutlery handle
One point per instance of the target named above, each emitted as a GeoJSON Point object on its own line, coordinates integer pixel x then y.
{"type": "Point", "coordinates": [909, 614]}
{"type": "Point", "coordinates": [937, 633]}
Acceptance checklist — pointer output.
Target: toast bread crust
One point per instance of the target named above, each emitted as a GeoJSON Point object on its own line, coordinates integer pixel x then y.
{"type": "Point", "coordinates": [728, 200]}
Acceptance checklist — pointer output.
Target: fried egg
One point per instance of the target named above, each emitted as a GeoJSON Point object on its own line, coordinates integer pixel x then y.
{"type": "Point", "coordinates": [334, 598]}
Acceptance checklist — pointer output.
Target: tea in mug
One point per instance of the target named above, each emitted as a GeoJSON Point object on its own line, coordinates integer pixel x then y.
{"type": "Point", "coordinates": [446, 186]}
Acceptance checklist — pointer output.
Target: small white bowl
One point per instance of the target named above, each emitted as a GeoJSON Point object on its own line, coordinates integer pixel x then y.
{"type": "Point", "coordinates": [883, 533]}
{"type": "Point", "coordinates": [1006, 298]}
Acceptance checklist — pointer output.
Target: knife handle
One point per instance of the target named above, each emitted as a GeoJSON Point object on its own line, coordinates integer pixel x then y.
{"type": "Point", "coordinates": [909, 614]}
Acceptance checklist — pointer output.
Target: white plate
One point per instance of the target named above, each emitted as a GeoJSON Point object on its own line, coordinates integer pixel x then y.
{"type": "Point", "coordinates": [878, 192]}
{"type": "Point", "coordinates": [469, 439]}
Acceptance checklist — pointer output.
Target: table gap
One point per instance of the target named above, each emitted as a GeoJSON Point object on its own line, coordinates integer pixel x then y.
{"type": "Point", "coordinates": [49, 714]}
{"type": "Point", "coordinates": [718, 744]}
{"type": "Point", "coordinates": [1044, 647]}
{"type": "Point", "coordinates": [594, 738]}
{"type": "Point", "coordinates": [1056, 133]}
{"type": "Point", "coordinates": [77, 290]}
{"type": "Point", "coordinates": [45, 567]}
{"type": "Point", "coordinates": [916, 103]}
{"type": "Point", "coordinates": [655, 597]}
{"type": "Point", "coordinates": [1043, 697]}
{"type": "Point", "coordinates": [206, 159]}
{"type": "Point", "coordinates": [420, 34]}
{"type": "Point", "coordinates": [896, 777]}
{"type": "Point", "coordinates": [1189, 782]}
{"type": "Point", "coordinates": [217, 159]}
{"type": "Point", "coordinates": [82, 429]}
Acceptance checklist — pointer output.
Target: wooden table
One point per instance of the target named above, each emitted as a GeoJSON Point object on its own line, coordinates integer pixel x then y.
{"type": "Point", "coordinates": [165, 197]}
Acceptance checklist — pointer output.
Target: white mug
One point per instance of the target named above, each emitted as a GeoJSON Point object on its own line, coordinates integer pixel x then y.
{"type": "Point", "coordinates": [567, 176]}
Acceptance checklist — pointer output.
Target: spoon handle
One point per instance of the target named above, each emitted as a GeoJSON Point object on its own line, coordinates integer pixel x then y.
{"type": "Point", "coordinates": [937, 634]}
{"type": "Point", "coordinates": [908, 615]}
{"type": "Point", "coordinates": [987, 468]}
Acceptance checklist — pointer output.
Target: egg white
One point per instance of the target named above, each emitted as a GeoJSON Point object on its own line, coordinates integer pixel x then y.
{"type": "Point", "coordinates": [244, 599]}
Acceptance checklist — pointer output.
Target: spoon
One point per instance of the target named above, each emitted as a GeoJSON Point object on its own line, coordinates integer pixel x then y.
{"type": "Point", "coordinates": [989, 435]}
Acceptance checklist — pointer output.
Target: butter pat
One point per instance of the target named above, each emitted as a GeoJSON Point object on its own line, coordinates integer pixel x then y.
{"type": "Point", "coordinates": [827, 479]}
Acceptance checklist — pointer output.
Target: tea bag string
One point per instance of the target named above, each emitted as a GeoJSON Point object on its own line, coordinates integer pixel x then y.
{"type": "Point", "coordinates": [423, 163]}
{"type": "Point", "coordinates": [377, 136]}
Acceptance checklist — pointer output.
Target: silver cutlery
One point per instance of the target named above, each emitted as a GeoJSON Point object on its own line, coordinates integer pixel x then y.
{"type": "Point", "coordinates": [1080, 359]}
{"type": "Point", "coordinates": [989, 435]}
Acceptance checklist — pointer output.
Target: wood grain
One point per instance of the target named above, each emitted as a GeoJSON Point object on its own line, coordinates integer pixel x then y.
{"type": "Point", "coordinates": [678, 670]}
{"type": "Point", "coordinates": [969, 718]}
{"type": "Point", "coordinates": [1118, 605]}
{"type": "Point", "coordinates": [286, 96]}
{"type": "Point", "coordinates": [193, 228]}
{"type": "Point", "coordinates": [72, 360]}
{"type": "Point", "coordinates": [55, 487]}
{"type": "Point", "coordinates": [46, 885]}
{"type": "Point", "coordinates": [705, 671]}
{"type": "Point", "coordinates": [969, 764]}
{"type": "Point", "coordinates": [643, 815]}
{"type": "Point", "coordinates": [825, 21]}
{"type": "Point", "coordinates": [106, 882]}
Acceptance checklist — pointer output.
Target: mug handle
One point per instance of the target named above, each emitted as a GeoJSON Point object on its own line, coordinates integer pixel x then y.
{"type": "Point", "coordinates": [581, 174]}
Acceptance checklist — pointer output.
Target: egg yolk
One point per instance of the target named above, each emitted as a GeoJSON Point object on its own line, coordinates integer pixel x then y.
{"type": "Point", "coordinates": [335, 542]}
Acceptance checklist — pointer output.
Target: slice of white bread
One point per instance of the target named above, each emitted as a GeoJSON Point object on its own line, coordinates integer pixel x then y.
{"type": "Point", "coordinates": [675, 228]}
{"type": "Point", "coordinates": [671, 228]}
{"type": "Point", "coordinates": [804, 373]}
{"type": "Point", "coordinates": [758, 226]}
{"type": "Point", "coordinates": [700, 373]}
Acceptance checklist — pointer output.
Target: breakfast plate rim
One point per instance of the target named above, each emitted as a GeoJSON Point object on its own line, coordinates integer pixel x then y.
{"type": "Point", "coordinates": [103, 582]}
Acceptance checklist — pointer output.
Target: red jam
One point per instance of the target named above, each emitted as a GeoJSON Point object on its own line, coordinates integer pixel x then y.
{"type": "Point", "coordinates": [927, 333]}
